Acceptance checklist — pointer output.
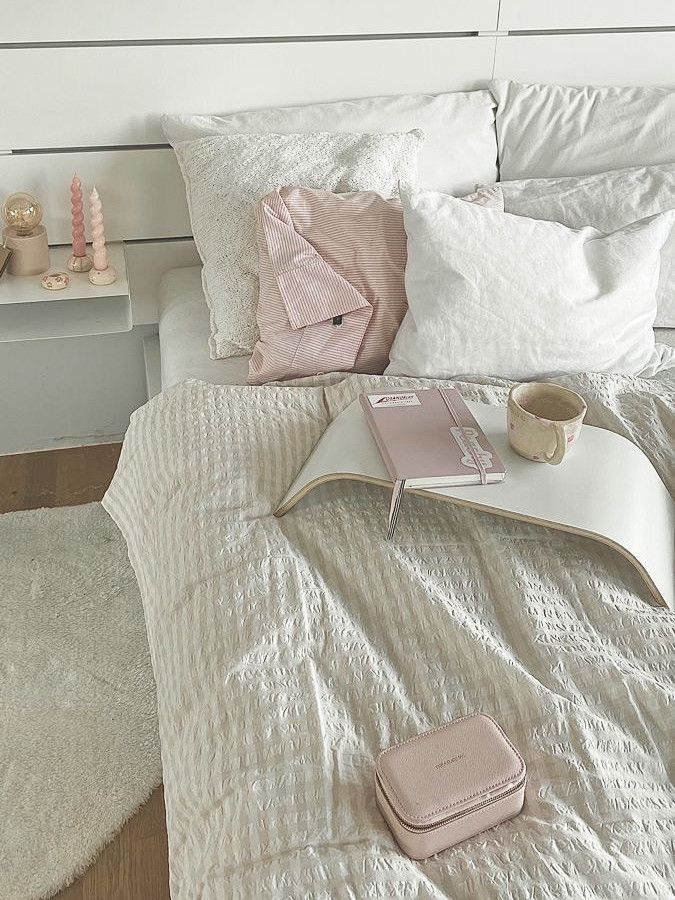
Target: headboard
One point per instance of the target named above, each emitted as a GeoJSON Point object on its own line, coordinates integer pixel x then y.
{"type": "Point", "coordinates": [85, 91]}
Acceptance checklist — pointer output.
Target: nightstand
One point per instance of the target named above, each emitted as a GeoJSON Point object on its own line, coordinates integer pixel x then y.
{"type": "Point", "coordinates": [29, 312]}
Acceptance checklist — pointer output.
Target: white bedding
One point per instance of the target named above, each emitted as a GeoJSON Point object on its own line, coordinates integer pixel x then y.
{"type": "Point", "coordinates": [184, 334]}
{"type": "Point", "coordinates": [288, 652]}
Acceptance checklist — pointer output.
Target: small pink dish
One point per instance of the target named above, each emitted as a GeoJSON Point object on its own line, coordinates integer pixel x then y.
{"type": "Point", "coordinates": [449, 784]}
{"type": "Point", "coordinates": [55, 281]}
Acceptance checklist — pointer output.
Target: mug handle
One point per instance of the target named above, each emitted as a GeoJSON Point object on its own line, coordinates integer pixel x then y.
{"type": "Point", "coordinates": [560, 446]}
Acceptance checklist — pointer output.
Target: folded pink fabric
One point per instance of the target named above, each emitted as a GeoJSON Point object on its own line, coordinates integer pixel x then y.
{"type": "Point", "coordinates": [332, 293]}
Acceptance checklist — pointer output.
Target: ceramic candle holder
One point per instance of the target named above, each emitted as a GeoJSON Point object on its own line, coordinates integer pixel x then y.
{"type": "Point", "coordinates": [103, 276]}
{"type": "Point", "coordinates": [80, 263]}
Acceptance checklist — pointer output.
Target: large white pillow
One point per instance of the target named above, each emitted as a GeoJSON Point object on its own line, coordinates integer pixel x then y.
{"type": "Point", "coordinates": [606, 201]}
{"type": "Point", "coordinates": [225, 177]}
{"type": "Point", "coordinates": [548, 130]}
{"type": "Point", "coordinates": [460, 148]}
{"type": "Point", "coordinates": [490, 293]}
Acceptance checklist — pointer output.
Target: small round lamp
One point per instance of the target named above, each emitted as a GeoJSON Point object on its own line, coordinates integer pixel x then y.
{"type": "Point", "coordinates": [25, 235]}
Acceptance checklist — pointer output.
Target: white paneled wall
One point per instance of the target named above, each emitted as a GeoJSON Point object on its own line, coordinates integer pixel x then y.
{"type": "Point", "coordinates": [85, 89]}
{"type": "Point", "coordinates": [146, 264]}
{"type": "Point", "coordinates": [68, 21]}
{"type": "Point", "coordinates": [142, 189]}
{"type": "Point", "coordinates": [133, 86]}
{"type": "Point", "coordinates": [624, 58]}
{"type": "Point", "coordinates": [541, 15]}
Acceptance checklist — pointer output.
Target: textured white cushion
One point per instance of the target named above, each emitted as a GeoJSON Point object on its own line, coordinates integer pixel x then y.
{"type": "Point", "coordinates": [547, 130]}
{"type": "Point", "coordinates": [606, 201]}
{"type": "Point", "coordinates": [225, 176]}
{"type": "Point", "coordinates": [460, 147]}
{"type": "Point", "coordinates": [490, 293]}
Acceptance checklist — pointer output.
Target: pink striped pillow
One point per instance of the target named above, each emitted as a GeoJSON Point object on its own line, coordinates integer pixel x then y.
{"type": "Point", "coordinates": [332, 292]}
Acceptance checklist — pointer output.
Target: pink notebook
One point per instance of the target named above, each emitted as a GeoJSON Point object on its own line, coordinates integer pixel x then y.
{"type": "Point", "coordinates": [429, 439]}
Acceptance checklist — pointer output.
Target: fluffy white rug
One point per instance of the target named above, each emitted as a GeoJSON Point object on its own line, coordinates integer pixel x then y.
{"type": "Point", "coordinates": [79, 751]}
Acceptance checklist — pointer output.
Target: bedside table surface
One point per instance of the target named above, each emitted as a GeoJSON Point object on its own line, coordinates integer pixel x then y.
{"type": "Point", "coordinates": [28, 289]}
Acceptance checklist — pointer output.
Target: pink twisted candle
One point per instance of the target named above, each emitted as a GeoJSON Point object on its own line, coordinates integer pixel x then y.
{"type": "Point", "coordinates": [76, 204]}
{"type": "Point", "coordinates": [97, 232]}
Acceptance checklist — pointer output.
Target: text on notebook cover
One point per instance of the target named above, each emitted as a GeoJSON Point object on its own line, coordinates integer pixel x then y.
{"type": "Point", "coordinates": [391, 400]}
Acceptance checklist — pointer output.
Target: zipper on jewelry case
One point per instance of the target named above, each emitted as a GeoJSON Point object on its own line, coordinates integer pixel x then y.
{"type": "Point", "coordinates": [424, 828]}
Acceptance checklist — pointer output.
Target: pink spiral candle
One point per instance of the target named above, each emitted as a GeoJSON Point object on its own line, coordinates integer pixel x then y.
{"type": "Point", "coordinates": [79, 242]}
{"type": "Point", "coordinates": [97, 232]}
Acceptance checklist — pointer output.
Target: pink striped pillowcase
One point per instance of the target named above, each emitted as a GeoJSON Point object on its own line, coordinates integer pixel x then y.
{"type": "Point", "coordinates": [332, 293]}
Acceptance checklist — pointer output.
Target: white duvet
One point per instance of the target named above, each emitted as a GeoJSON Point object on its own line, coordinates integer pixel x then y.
{"type": "Point", "coordinates": [288, 652]}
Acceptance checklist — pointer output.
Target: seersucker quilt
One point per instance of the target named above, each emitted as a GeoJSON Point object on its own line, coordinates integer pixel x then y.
{"type": "Point", "coordinates": [288, 652]}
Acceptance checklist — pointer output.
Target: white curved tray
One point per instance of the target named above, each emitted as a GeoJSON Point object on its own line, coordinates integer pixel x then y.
{"type": "Point", "coordinates": [606, 489]}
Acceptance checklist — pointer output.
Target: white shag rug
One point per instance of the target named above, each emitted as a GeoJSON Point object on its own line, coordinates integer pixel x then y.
{"type": "Point", "coordinates": [79, 749]}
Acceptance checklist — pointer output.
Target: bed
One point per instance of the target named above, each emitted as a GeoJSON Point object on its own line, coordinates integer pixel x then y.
{"type": "Point", "coordinates": [184, 330]}
{"type": "Point", "coordinates": [288, 652]}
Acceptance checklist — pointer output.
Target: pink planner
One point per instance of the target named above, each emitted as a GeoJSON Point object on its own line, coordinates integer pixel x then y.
{"type": "Point", "coordinates": [428, 439]}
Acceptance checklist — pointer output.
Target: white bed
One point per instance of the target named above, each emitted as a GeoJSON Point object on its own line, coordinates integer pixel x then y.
{"type": "Point", "coordinates": [287, 652]}
{"type": "Point", "coordinates": [184, 331]}
{"type": "Point", "coordinates": [283, 666]}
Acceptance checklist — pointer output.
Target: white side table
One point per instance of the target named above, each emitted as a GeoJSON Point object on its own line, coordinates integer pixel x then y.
{"type": "Point", "coordinates": [29, 312]}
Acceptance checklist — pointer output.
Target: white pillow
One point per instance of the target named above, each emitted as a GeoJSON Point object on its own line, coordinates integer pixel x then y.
{"type": "Point", "coordinates": [226, 176]}
{"type": "Point", "coordinates": [490, 293]}
{"type": "Point", "coordinates": [548, 130]}
{"type": "Point", "coordinates": [460, 147]}
{"type": "Point", "coordinates": [606, 201]}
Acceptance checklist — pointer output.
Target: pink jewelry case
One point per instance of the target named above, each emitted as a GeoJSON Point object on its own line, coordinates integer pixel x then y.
{"type": "Point", "coordinates": [449, 784]}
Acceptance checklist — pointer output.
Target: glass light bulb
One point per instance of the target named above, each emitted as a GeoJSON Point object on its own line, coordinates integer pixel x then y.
{"type": "Point", "coordinates": [22, 212]}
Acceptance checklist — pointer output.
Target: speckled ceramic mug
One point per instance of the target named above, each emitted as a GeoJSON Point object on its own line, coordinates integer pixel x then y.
{"type": "Point", "coordinates": [544, 420]}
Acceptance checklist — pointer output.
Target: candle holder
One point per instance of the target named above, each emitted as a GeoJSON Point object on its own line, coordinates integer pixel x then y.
{"type": "Point", "coordinates": [103, 276]}
{"type": "Point", "coordinates": [80, 263]}
{"type": "Point", "coordinates": [102, 273]}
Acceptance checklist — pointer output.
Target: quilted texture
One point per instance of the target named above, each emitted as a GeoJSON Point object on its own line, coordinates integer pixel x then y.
{"type": "Point", "coordinates": [606, 201]}
{"type": "Point", "coordinates": [504, 295]}
{"type": "Point", "coordinates": [226, 175]}
{"type": "Point", "coordinates": [289, 652]}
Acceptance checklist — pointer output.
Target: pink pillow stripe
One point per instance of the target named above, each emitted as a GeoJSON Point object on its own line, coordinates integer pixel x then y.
{"type": "Point", "coordinates": [332, 292]}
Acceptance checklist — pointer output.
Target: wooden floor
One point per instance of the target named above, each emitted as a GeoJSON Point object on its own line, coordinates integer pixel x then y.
{"type": "Point", "coordinates": [135, 865]}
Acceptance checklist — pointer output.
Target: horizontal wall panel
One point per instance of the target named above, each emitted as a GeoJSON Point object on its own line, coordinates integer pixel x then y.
{"type": "Point", "coordinates": [141, 190]}
{"type": "Point", "coordinates": [535, 15]}
{"type": "Point", "coordinates": [68, 20]}
{"type": "Point", "coordinates": [623, 59]}
{"type": "Point", "coordinates": [146, 264]}
{"type": "Point", "coordinates": [116, 95]}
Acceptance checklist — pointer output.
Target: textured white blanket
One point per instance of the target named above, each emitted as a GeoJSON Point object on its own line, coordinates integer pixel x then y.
{"type": "Point", "coordinates": [288, 652]}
